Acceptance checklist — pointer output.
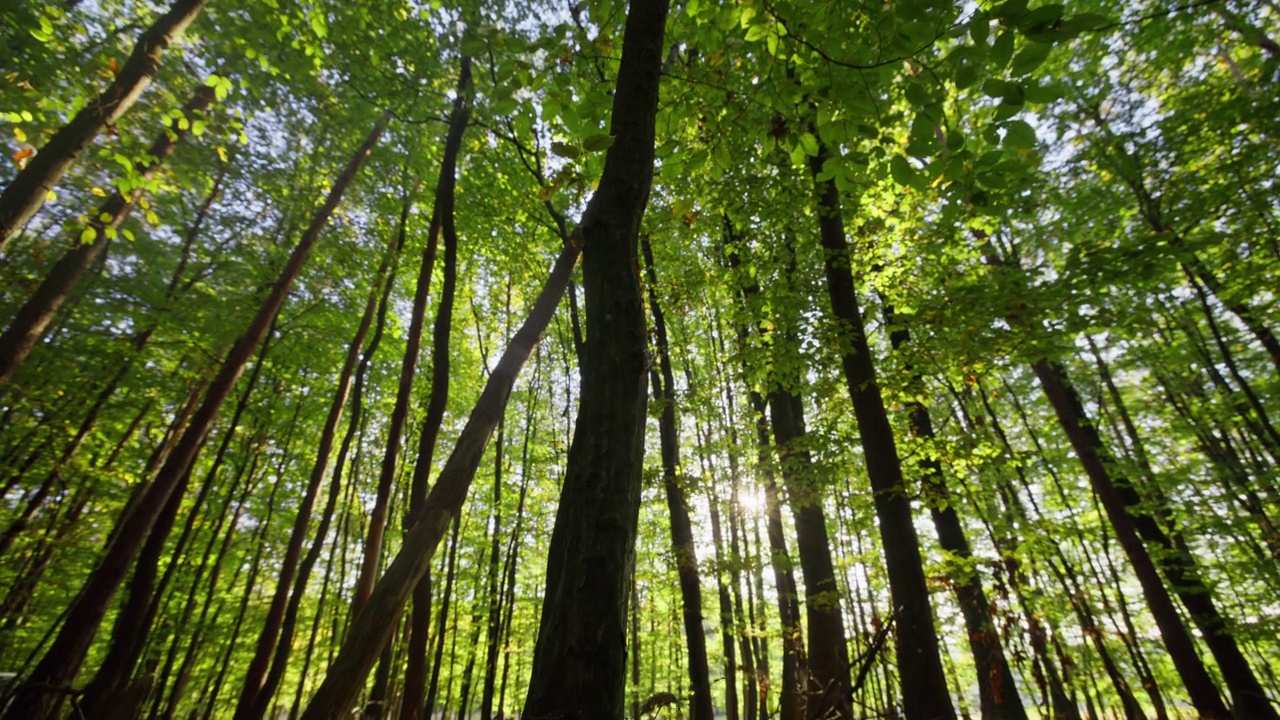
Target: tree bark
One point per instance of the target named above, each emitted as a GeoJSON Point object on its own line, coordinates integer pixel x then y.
{"type": "Point", "coordinates": [924, 688]}
{"type": "Point", "coordinates": [254, 695]}
{"type": "Point", "coordinates": [442, 217]}
{"type": "Point", "coordinates": [681, 528]}
{"type": "Point", "coordinates": [27, 191]}
{"type": "Point", "coordinates": [579, 665]}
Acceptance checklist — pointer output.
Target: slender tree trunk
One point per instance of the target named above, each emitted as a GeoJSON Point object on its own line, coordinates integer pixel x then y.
{"type": "Point", "coordinates": [62, 661]}
{"type": "Point", "coordinates": [27, 191]}
{"type": "Point", "coordinates": [253, 694]}
{"type": "Point", "coordinates": [442, 623]}
{"type": "Point", "coordinates": [443, 218]}
{"type": "Point", "coordinates": [31, 320]}
{"type": "Point", "coordinates": [579, 665]}
{"type": "Point", "coordinates": [996, 688]}
{"type": "Point", "coordinates": [924, 686]}
{"type": "Point", "coordinates": [371, 631]}
{"type": "Point", "coordinates": [1088, 446]}
{"type": "Point", "coordinates": [681, 528]}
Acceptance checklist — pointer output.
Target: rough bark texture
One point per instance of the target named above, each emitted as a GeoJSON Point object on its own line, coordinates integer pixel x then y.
{"type": "Point", "coordinates": [31, 320]}
{"type": "Point", "coordinates": [924, 685]}
{"type": "Point", "coordinates": [373, 628]}
{"type": "Point", "coordinates": [61, 662]}
{"type": "Point", "coordinates": [26, 192]}
{"type": "Point", "coordinates": [579, 665]}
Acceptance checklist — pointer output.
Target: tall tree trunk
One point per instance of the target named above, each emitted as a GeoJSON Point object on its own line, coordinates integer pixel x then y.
{"type": "Point", "coordinates": [1089, 449]}
{"type": "Point", "coordinates": [31, 320]}
{"type": "Point", "coordinates": [253, 695]}
{"type": "Point", "coordinates": [924, 687]}
{"type": "Point", "coordinates": [579, 662]}
{"type": "Point", "coordinates": [27, 191]}
{"type": "Point", "coordinates": [38, 697]}
{"type": "Point", "coordinates": [443, 218]}
{"type": "Point", "coordinates": [133, 621]}
{"type": "Point", "coordinates": [681, 528]}
{"type": "Point", "coordinates": [373, 628]}
{"type": "Point", "coordinates": [284, 646]}
{"type": "Point", "coordinates": [997, 690]}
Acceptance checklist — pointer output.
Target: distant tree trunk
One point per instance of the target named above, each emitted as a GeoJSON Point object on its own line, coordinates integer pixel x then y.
{"type": "Point", "coordinates": [442, 623]}
{"type": "Point", "coordinates": [443, 218]}
{"type": "Point", "coordinates": [1089, 449]}
{"type": "Point", "coordinates": [924, 687]}
{"type": "Point", "coordinates": [61, 662]}
{"type": "Point", "coordinates": [371, 631]}
{"type": "Point", "coordinates": [791, 694]}
{"type": "Point", "coordinates": [997, 691]}
{"type": "Point", "coordinates": [493, 624]}
{"type": "Point", "coordinates": [255, 695]}
{"type": "Point", "coordinates": [681, 528]}
{"type": "Point", "coordinates": [579, 663]}
{"type": "Point", "coordinates": [134, 619]}
{"type": "Point", "coordinates": [31, 320]}
{"type": "Point", "coordinates": [26, 192]}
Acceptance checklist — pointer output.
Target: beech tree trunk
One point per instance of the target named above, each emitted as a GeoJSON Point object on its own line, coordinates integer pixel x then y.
{"type": "Point", "coordinates": [254, 697]}
{"type": "Point", "coordinates": [924, 686]}
{"type": "Point", "coordinates": [442, 217]}
{"type": "Point", "coordinates": [372, 629]}
{"type": "Point", "coordinates": [38, 696]}
{"type": "Point", "coordinates": [27, 191]}
{"type": "Point", "coordinates": [579, 662]}
{"type": "Point", "coordinates": [31, 320]}
{"type": "Point", "coordinates": [997, 691]}
{"type": "Point", "coordinates": [681, 528]}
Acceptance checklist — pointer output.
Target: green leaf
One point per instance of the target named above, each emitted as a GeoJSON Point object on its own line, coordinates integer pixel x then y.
{"type": "Point", "coordinates": [1030, 58]}
{"type": "Point", "coordinates": [809, 143]}
{"type": "Point", "coordinates": [1002, 50]}
{"type": "Point", "coordinates": [1041, 18]}
{"type": "Point", "coordinates": [756, 32]}
{"type": "Point", "coordinates": [1019, 135]}
{"type": "Point", "coordinates": [596, 143]}
{"type": "Point", "coordinates": [88, 236]}
{"type": "Point", "coordinates": [901, 170]}
{"type": "Point", "coordinates": [565, 150]}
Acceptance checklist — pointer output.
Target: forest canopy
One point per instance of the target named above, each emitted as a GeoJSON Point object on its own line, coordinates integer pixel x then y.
{"type": "Point", "coordinates": [750, 359]}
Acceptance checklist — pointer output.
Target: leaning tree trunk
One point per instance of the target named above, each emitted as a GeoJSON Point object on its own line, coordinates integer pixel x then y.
{"type": "Point", "coordinates": [579, 662]}
{"type": "Point", "coordinates": [373, 627]}
{"type": "Point", "coordinates": [924, 686]}
{"type": "Point", "coordinates": [39, 695]}
{"type": "Point", "coordinates": [254, 697]}
{"type": "Point", "coordinates": [681, 528]}
{"type": "Point", "coordinates": [31, 320]}
{"type": "Point", "coordinates": [27, 191]}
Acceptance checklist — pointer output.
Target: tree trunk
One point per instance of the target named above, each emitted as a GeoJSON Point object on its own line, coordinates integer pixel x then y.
{"type": "Point", "coordinates": [442, 217]}
{"type": "Point", "coordinates": [996, 688]}
{"type": "Point", "coordinates": [27, 191]}
{"type": "Point", "coordinates": [579, 665]}
{"type": "Point", "coordinates": [1088, 447]}
{"type": "Point", "coordinates": [371, 630]}
{"type": "Point", "coordinates": [681, 528]}
{"type": "Point", "coordinates": [61, 662]}
{"type": "Point", "coordinates": [924, 687]}
{"type": "Point", "coordinates": [31, 320]}
{"type": "Point", "coordinates": [254, 696]}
